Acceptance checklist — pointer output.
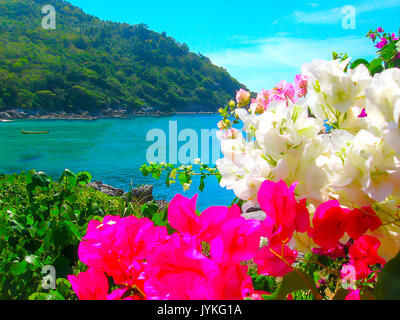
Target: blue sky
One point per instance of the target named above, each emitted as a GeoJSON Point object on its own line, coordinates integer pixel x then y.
{"type": "Point", "coordinates": [260, 42]}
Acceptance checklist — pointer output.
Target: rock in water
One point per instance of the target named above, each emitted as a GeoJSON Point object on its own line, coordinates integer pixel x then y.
{"type": "Point", "coordinates": [142, 194]}
{"type": "Point", "coordinates": [106, 189]}
{"type": "Point", "coordinates": [162, 204]}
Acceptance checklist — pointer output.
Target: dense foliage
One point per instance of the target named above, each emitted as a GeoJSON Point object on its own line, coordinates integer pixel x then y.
{"type": "Point", "coordinates": [91, 65]}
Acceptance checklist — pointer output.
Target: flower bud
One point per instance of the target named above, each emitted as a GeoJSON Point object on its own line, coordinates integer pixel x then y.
{"type": "Point", "coordinates": [243, 98]}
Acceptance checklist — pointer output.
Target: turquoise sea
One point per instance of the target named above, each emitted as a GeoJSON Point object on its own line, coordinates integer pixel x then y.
{"type": "Point", "coordinates": [112, 150]}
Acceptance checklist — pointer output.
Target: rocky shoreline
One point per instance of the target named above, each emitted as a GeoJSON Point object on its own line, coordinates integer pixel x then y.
{"type": "Point", "coordinates": [17, 114]}
{"type": "Point", "coordinates": [141, 195]}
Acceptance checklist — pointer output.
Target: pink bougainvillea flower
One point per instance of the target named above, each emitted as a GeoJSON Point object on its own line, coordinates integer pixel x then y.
{"type": "Point", "coordinates": [213, 219]}
{"type": "Point", "coordinates": [380, 30]}
{"type": "Point", "coordinates": [258, 105]}
{"type": "Point", "coordinates": [177, 271]}
{"type": "Point", "coordinates": [354, 295]}
{"type": "Point", "coordinates": [333, 253]}
{"type": "Point", "coordinates": [372, 36]}
{"type": "Point", "coordinates": [97, 248]}
{"type": "Point", "coordinates": [231, 282]}
{"type": "Point", "coordinates": [301, 85]}
{"type": "Point", "coordinates": [284, 214]}
{"type": "Point", "coordinates": [365, 250]}
{"type": "Point", "coordinates": [231, 133]}
{"type": "Point", "coordinates": [266, 94]}
{"type": "Point", "coordinates": [329, 224]}
{"type": "Point", "coordinates": [359, 221]}
{"type": "Point", "coordinates": [394, 37]}
{"type": "Point", "coordinates": [361, 268]}
{"type": "Point", "coordinates": [90, 285]}
{"type": "Point", "coordinates": [275, 260]}
{"type": "Point", "coordinates": [283, 91]}
{"type": "Point", "coordinates": [382, 43]}
{"type": "Point", "coordinates": [238, 241]}
{"type": "Point", "coordinates": [302, 216]}
{"type": "Point", "coordinates": [242, 97]}
{"type": "Point", "coordinates": [123, 294]}
{"type": "Point", "coordinates": [119, 246]}
{"type": "Point", "coordinates": [363, 114]}
{"type": "Point", "coordinates": [182, 215]}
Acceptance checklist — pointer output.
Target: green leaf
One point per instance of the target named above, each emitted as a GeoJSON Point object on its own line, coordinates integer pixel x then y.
{"type": "Point", "coordinates": [60, 234]}
{"type": "Point", "coordinates": [375, 66]}
{"type": "Point", "coordinates": [144, 170]}
{"type": "Point", "coordinates": [264, 283]}
{"type": "Point", "coordinates": [167, 181]}
{"type": "Point", "coordinates": [183, 178]}
{"type": "Point", "coordinates": [18, 268]}
{"type": "Point", "coordinates": [388, 51]}
{"type": "Point", "coordinates": [73, 229]}
{"type": "Point", "coordinates": [292, 282]}
{"type": "Point", "coordinates": [28, 177]}
{"type": "Point", "coordinates": [83, 178]}
{"type": "Point", "coordinates": [201, 187]}
{"type": "Point", "coordinates": [52, 295]}
{"type": "Point", "coordinates": [388, 285]}
{"type": "Point", "coordinates": [149, 209]}
{"type": "Point", "coordinates": [356, 63]}
{"type": "Point", "coordinates": [37, 179]}
{"type": "Point", "coordinates": [68, 178]}
{"type": "Point", "coordinates": [156, 174]}
{"type": "Point", "coordinates": [159, 219]}
{"type": "Point", "coordinates": [63, 287]}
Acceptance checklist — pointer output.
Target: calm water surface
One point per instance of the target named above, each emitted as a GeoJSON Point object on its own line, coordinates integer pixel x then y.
{"type": "Point", "coordinates": [112, 150]}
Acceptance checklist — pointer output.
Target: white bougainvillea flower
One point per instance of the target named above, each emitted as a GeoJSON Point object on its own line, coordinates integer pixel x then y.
{"type": "Point", "coordinates": [383, 106]}
{"type": "Point", "coordinates": [331, 90]}
{"type": "Point", "coordinates": [354, 159]}
{"type": "Point", "coordinates": [362, 168]}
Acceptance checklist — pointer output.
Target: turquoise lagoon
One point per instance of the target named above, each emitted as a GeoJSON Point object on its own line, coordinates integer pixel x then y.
{"type": "Point", "coordinates": [112, 150]}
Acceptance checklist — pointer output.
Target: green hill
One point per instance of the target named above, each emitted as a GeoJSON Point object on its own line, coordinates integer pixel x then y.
{"type": "Point", "coordinates": [87, 64]}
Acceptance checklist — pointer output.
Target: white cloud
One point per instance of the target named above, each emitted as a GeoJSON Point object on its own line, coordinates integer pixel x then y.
{"type": "Point", "coordinates": [271, 60]}
{"type": "Point", "coordinates": [335, 15]}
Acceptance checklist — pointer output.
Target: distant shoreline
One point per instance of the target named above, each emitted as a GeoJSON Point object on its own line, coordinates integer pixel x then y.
{"type": "Point", "coordinates": [12, 116]}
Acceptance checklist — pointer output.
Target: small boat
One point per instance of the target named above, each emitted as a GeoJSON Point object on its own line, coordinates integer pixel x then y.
{"type": "Point", "coordinates": [4, 120]}
{"type": "Point", "coordinates": [31, 132]}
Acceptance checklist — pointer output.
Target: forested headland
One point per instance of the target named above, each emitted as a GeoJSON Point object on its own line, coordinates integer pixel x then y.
{"type": "Point", "coordinates": [91, 66]}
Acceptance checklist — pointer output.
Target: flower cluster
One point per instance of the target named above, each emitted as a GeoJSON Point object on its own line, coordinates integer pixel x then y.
{"type": "Point", "coordinates": [203, 259]}
{"type": "Point", "coordinates": [335, 130]}
{"type": "Point", "coordinates": [209, 254]}
{"type": "Point", "coordinates": [384, 38]}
